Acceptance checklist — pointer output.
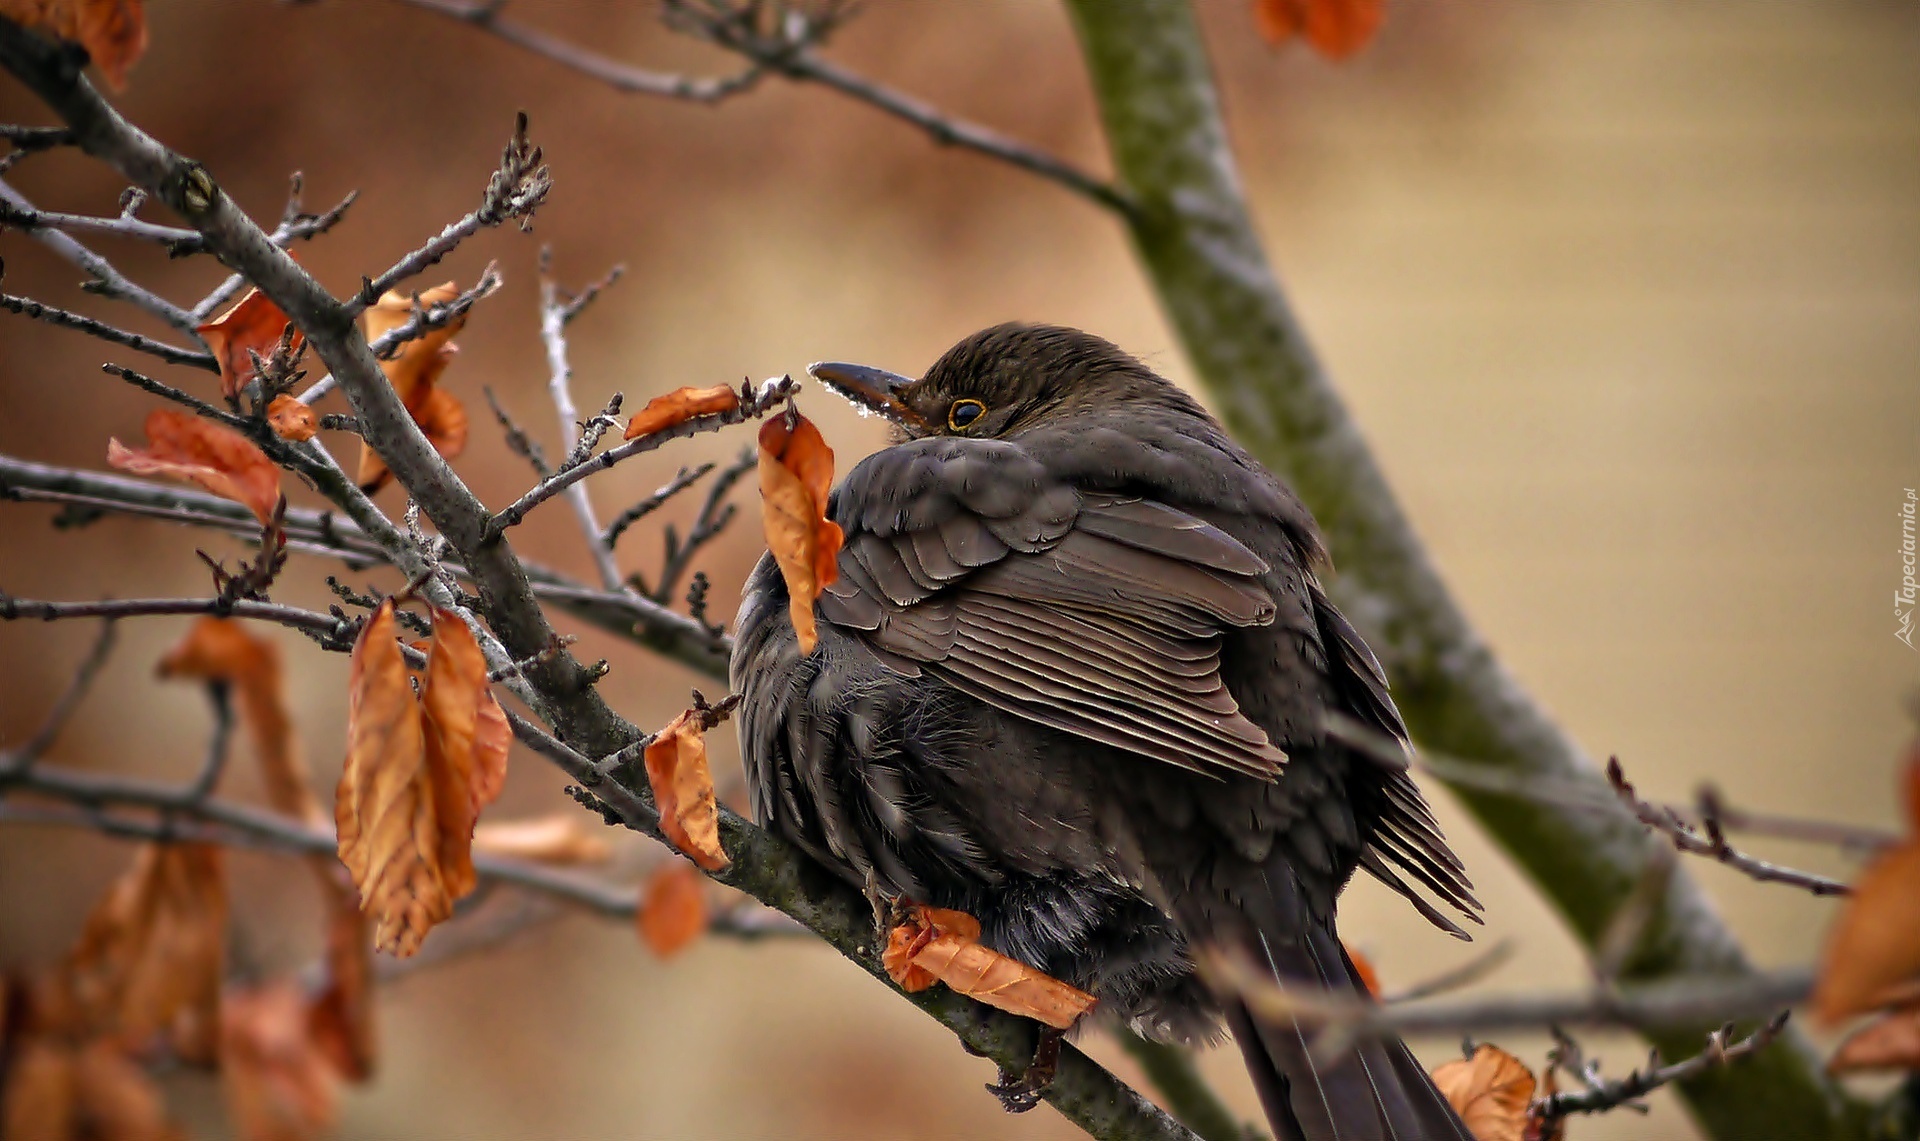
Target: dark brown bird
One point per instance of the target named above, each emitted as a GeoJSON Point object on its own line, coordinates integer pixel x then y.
{"type": "Point", "coordinates": [1075, 678]}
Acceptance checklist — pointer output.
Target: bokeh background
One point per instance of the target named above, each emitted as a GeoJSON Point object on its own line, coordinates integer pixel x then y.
{"type": "Point", "coordinates": [1626, 297]}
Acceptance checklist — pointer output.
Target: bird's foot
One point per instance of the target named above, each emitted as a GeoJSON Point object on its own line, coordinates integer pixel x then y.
{"type": "Point", "coordinates": [1020, 1093]}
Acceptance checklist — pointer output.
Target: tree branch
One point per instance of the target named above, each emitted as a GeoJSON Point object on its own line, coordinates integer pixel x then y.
{"type": "Point", "coordinates": [1196, 240]}
{"type": "Point", "coordinates": [1602, 1094]}
{"type": "Point", "coordinates": [27, 307]}
{"type": "Point", "coordinates": [107, 281]}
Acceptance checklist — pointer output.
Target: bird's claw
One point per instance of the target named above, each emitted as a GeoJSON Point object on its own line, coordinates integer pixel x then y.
{"type": "Point", "coordinates": [1020, 1093]}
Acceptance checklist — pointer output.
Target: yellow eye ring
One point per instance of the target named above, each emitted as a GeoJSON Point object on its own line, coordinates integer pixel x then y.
{"type": "Point", "coordinates": [963, 413]}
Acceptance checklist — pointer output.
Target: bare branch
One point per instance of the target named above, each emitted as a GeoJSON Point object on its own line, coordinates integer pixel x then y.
{"type": "Point", "coordinates": [485, 15]}
{"type": "Point", "coordinates": [686, 478]}
{"type": "Point", "coordinates": [1601, 1095]}
{"type": "Point", "coordinates": [43, 738]}
{"type": "Point", "coordinates": [126, 225]}
{"type": "Point", "coordinates": [518, 441]}
{"type": "Point", "coordinates": [220, 697]}
{"type": "Point", "coordinates": [107, 281]}
{"type": "Point", "coordinates": [295, 225]}
{"type": "Point", "coordinates": [333, 630]}
{"type": "Point", "coordinates": [27, 307]}
{"type": "Point", "coordinates": [424, 319]}
{"type": "Point", "coordinates": [553, 322]}
{"type": "Point", "coordinates": [28, 141]}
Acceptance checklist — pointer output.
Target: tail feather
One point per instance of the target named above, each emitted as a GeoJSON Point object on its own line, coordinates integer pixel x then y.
{"type": "Point", "coordinates": [1377, 1091]}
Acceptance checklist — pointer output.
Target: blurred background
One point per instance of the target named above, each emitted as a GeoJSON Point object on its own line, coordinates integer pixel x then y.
{"type": "Point", "coordinates": [1626, 297]}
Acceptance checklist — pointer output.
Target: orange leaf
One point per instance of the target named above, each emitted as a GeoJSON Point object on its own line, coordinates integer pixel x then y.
{"type": "Point", "coordinates": [340, 1017]}
{"type": "Point", "coordinates": [1890, 1042]}
{"type": "Point", "coordinates": [558, 838]}
{"type": "Point", "coordinates": [291, 419]}
{"type": "Point", "coordinates": [384, 811]}
{"type": "Point", "coordinates": [683, 788]}
{"type": "Point", "coordinates": [212, 455]}
{"type": "Point", "coordinates": [149, 960]}
{"type": "Point", "coordinates": [1874, 944]}
{"type": "Point", "coordinates": [1363, 967]}
{"type": "Point", "coordinates": [114, 32]}
{"type": "Point", "coordinates": [796, 473]}
{"type": "Point", "coordinates": [413, 372]}
{"type": "Point", "coordinates": [940, 945]}
{"type": "Point", "coordinates": [673, 908]}
{"type": "Point", "coordinates": [467, 737]}
{"type": "Point", "coordinates": [1490, 1091]}
{"type": "Point", "coordinates": [115, 1098]}
{"type": "Point", "coordinates": [1335, 28]}
{"type": "Point", "coordinates": [222, 649]}
{"type": "Point", "coordinates": [253, 326]}
{"type": "Point", "coordinates": [679, 406]}
{"type": "Point", "coordinates": [278, 1082]}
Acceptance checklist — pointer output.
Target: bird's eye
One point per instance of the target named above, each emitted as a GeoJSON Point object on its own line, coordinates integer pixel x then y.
{"type": "Point", "coordinates": [964, 412]}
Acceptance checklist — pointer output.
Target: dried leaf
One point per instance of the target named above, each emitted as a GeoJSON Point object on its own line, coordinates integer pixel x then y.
{"type": "Point", "coordinates": [467, 736]}
{"type": "Point", "coordinates": [384, 811]}
{"type": "Point", "coordinates": [214, 456]}
{"type": "Point", "coordinates": [673, 908]}
{"type": "Point", "coordinates": [940, 945]}
{"type": "Point", "coordinates": [796, 473]}
{"type": "Point", "coordinates": [1874, 944]}
{"type": "Point", "coordinates": [1363, 967]}
{"type": "Point", "coordinates": [278, 1082]}
{"type": "Point", "coordinates": [115, 1098]}
{"type": "Point", "coordinates": [413, 372]}
{"type": "Point", "coordinates": [114, 32]}
{"type": "Point", "coordinates": [683, 788]}
{"type": "Point", "coordinates": [1889, 1042]}
{"type": "Point", "coordinates": [1335, 28]}
{"type": "Point", "coordinates": [558, 838]}
{"type": "Point", "coordinates": [253, 326]}
{"type": "Point", "coordinates": [291, 419]}
{"type": "Point", "coordinates": [1490, 1091]}
{"type": "Point", "coordinates": [223, 649]}
{"type": "Point", "coordinates": [39, 1096]}
{"type": "Point", "coordinates": [340, 1019]}
{"type": "Point", "coordinates": [679, 406]}
{"type": "Point", "coordinates": [149, 960]}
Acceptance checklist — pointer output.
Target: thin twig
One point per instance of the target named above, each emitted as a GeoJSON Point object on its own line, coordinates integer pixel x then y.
{"type": "Point", "coordinates": [184, 399]}
{"type": "Point", "coordinates": [423, 320]}
{"type": "Point", "coordinates": [28, 307]}
{"type": "Point", "coordinates": [295, 225]}
{"type": "Point", "coordinates": [485, 15]}
{"type": "Point", "coordinates": [553, 323]}
{"type": "Point", "coordinates": [686, 478]}
{"type": "Point", "coordinates": [715, 514]}
{"type": "Point", "coordinates": [518, 441]}
{"type": "Point", "coordinates": [34, 747]}
{"type": "Point", "coordinates": [1601, 1095]}
{"type": "Point", "coordinates": [327, 626]}
{"type": "Point", "coordinates": [219, 695]}
{"type": "Point", "coordinates": [1714, 842]}
{"type": "Point", "coordinates": [107, 281]}
{"type": "Point", "coordinates": [177, 240]}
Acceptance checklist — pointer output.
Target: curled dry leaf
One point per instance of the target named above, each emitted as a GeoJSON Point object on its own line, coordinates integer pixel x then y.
{"type": "Point", "coordinates": [1874, 944]}
{"type": "Point", "coordinates": [253, 326]}
{"type": "Point", "coordinates": [114, 32]}
{"type": "Point", "coordinates": [216, 457]}
{"type": "Point", "coordinates": [679, 406]}
{"type": "Point", "coordinates": [384, 810]}
{"type": "Point", "coordinates": [796, 473]}
{"type": "Point", "coordinates": [340, 1019]}
{"type": "Point", "coordinates": [279, 1084]}
{"type": "Point", "coordinates": [673, 908]}
{"type": "Point", "coordinates": [1335, 28]}
{"type": "Point", "coordinates": [1490, 1091]}
{"type": "Point", "coordinates": [413, 372]}
{"type": "Point", "coordinates": [683, 788]}
{"type": "Point", "coordinates": [291, 419]}
{"type": "Point", "coordinates": [557, 838]}
{"type": "Point", "coordinates": [467, 738]}
{"type": "Point", "coordinates": [223, 649]}
{"type": "Point", "coordinates": [149, 960]}
{"type": "Point", "coordinates": [939, 945]}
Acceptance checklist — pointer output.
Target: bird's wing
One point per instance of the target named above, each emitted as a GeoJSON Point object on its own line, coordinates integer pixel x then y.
{"type": "Point", "coordinates": [1097, 615]}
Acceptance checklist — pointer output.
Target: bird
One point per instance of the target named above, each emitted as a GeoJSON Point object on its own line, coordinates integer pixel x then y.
{"type": "Point", "coordinates": [1077, 675]}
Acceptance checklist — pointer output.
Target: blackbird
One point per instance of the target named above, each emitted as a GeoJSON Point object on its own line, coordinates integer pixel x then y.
{"type": "Point", "coordinates": [1077, 677]}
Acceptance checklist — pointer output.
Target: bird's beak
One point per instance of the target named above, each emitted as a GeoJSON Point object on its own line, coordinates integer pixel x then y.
{"type": "Point", "coordinates": [872, 390]}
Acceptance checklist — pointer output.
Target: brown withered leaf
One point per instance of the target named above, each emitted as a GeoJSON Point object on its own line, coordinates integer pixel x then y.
{"type": "Point", "coordinates": [216, 457]}
{"type": "Point", "coordinates": [149, 960]}
{"type": "Point", "coordinates": [114, 32]}
{"type": "Point", "coordinates": [467, 736]}
{"type": "Point", "coordinates": [673, 908]}
{"type": "Point", "coordinates": [936, 944]}
{"type": "Point", "coordinates": [796, 473]}
{"type": "Point", "coordinates": [384, 810]}
{"type": "Point", "coordinates": [1874, 944]}
{"type": "Point", "coordinates": [223, 649]}
{"type": "Point", "coordinates": [340, 1019]}
{"type": "Point", "coordinates": [1490, 1091]}
{"type": "Point", "coordinates": [1335, 28]}
{"type": "Point", "coordinates": [683, 788]}
{"type": "Point", "coordinates": [1889, 1042]}
{"type": "Point", "coordinates": [413, 372]}
{"type": "Point", "coordinates": [679, 406]}
{"type": "Point", "coordinates": [291, 419]}
{"type": "Point", "coordinates": [253, 326]}
{"type": "Point", "coordinates": [279, 1084]}
{"type": "Point", "coordinates": [557, 838]}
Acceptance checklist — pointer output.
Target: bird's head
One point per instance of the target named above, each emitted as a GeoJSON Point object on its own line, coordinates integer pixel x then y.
{"type": "Point", "coordinates": [1004, 380]}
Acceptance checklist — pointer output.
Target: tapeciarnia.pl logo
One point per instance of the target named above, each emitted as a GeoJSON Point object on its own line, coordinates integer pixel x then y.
{"type": "Point", "coordinates": [1903, 599]}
